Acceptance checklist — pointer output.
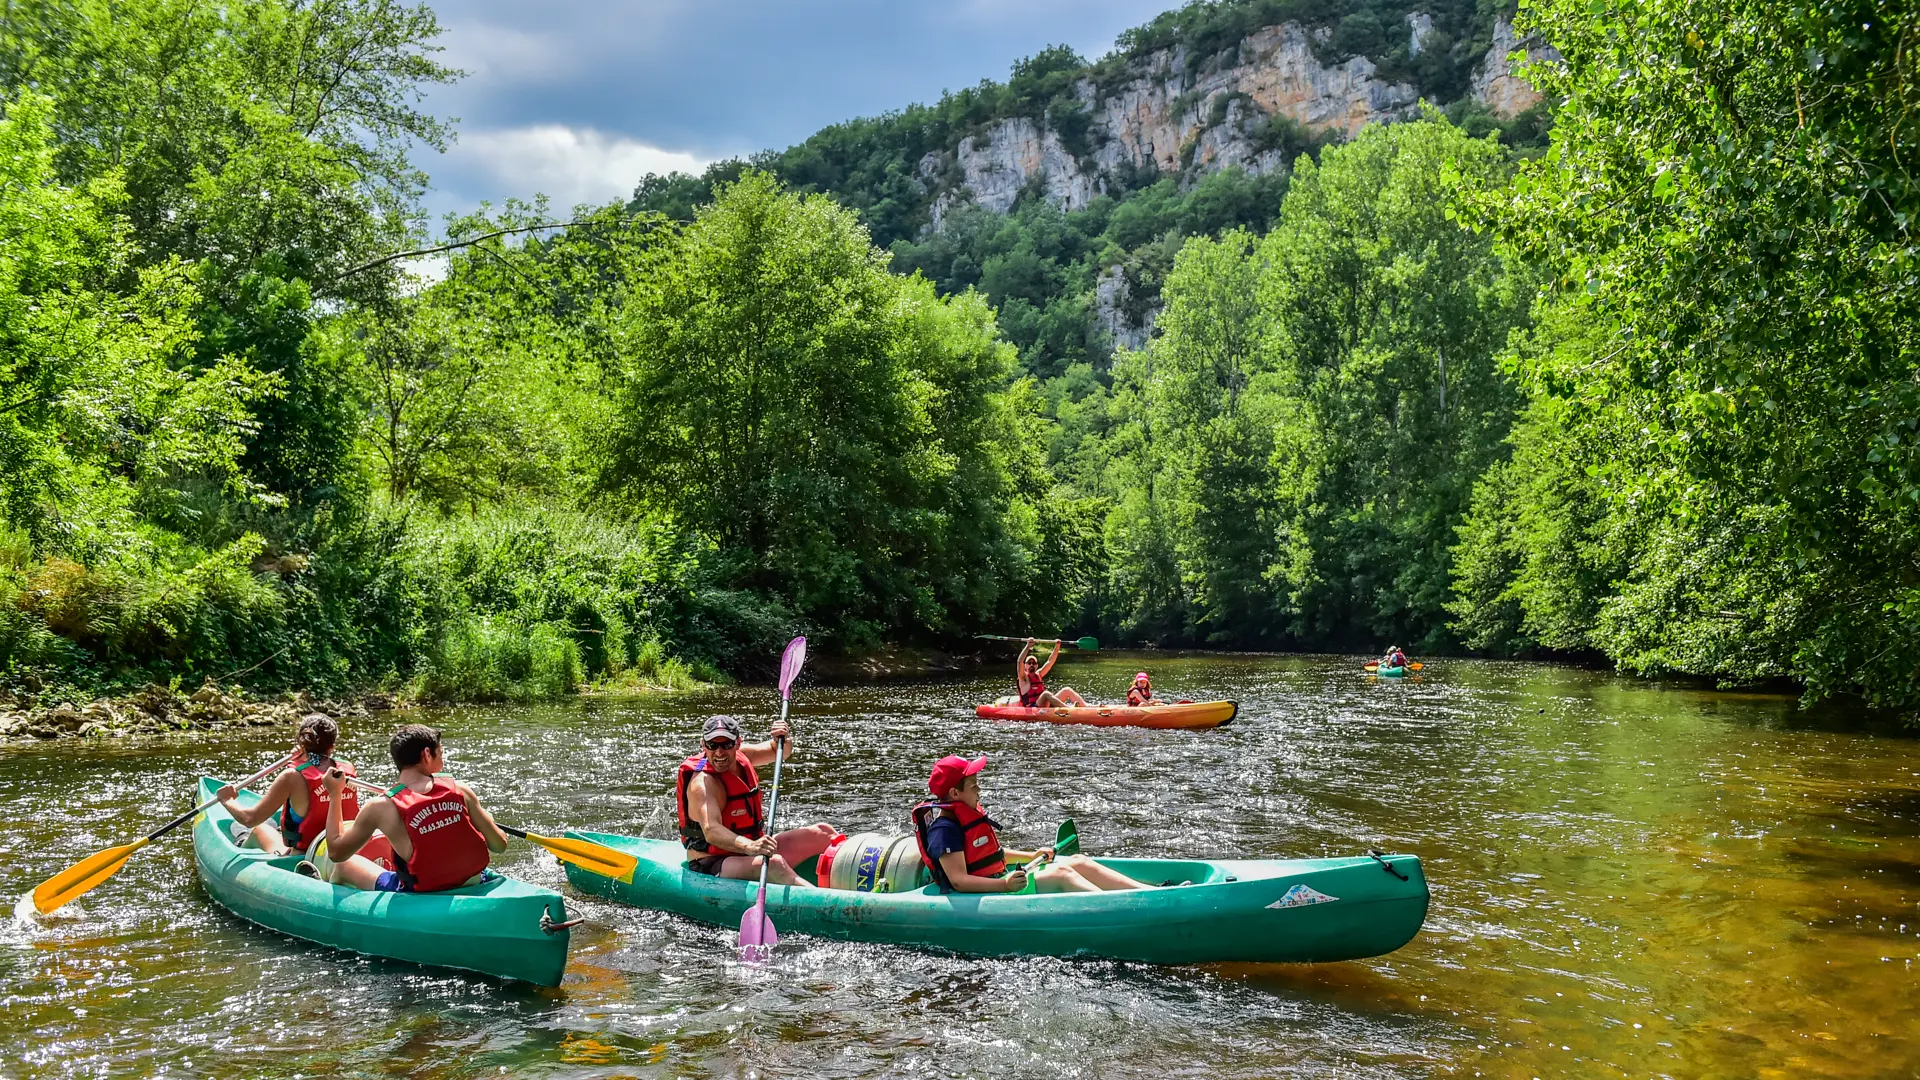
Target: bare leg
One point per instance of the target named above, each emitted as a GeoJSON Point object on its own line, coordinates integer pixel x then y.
{"type": "Point", "coordinates": [266, 837]}
{"type": "Point", "coordinates": [799, 845]}
{"type": "Point", "coordinates": [747, 868]}
{"type": "Point", "coordinates": [1099, 876]}
{"type": "Point", "coordinates": [1072, 697]}
{"type": "Point", "coordinates": [357, 872]}
{"type": "Point", "coordinates": [1052, 879]}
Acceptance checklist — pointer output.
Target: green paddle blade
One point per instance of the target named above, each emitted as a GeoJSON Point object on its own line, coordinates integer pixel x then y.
{"type": "Point", "coordinates": [1067, 840]}
{"type": "Point", "coordinates": [1088, 644]}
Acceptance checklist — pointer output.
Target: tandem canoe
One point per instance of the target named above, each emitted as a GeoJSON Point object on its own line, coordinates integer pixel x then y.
{"type": "Point", "coordinates": [1187, 716]}
{"type": "Point", "coordinates": [499, 928]}
{"type": "Point", "coordinates": [1248, 910]}
{"type": "Point", "coordinates": [1388, 671]}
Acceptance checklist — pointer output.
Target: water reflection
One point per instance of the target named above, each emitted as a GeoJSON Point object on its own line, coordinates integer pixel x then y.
{"type": "Point", "coordinates": [1628, 880]}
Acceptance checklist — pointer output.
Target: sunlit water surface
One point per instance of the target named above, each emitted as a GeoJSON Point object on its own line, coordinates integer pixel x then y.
{"type": "Point", "coordinates": [1628, 880]}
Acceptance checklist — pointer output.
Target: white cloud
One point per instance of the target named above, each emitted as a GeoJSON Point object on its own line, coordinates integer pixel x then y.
{"type": "Point", "coordinates": [571, 165]}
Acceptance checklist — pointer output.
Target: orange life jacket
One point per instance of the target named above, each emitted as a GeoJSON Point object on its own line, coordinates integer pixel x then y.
{"type": "Point", "coordinates": [981, 843]}
{"type": "Point", "coordinates": [301, 831]}
{"type": "Point", "coordinates": [447, 849]}
{"type": "Point", "coordinates": [742, 811]}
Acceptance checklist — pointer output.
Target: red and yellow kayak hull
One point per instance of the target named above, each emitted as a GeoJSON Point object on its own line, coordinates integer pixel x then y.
{"type": "Point", "coordinates": [1189, 716]}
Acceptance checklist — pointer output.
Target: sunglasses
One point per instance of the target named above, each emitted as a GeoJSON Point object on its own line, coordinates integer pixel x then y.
{"type": "Point", "coordinates": [721, 744]}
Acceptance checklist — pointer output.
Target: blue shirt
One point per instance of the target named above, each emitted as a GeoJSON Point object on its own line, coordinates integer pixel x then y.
{"type": "Point", "coordinates": [943, 836]}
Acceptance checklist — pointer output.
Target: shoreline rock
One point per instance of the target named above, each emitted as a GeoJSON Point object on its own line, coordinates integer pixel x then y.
{"type": "Point", "coordinates": [157, 710]}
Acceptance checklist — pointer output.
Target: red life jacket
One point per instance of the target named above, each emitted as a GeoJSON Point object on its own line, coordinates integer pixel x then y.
{"type": "Point", "coordinates": [741, 813]}
{"type": "Point", "coordinates": [447, 849]}
{"type": "Point", "coordinates": [981, 843]}
{"type": "Point", "coordinates": [300, 832]}
{"type": "Point", "coordinates": [1137, 696]}
{"type": "Point", "coordinates": [1030, 697]}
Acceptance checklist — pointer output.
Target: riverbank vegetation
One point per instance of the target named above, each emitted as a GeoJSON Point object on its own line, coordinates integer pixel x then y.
{"type": "Point", "coordinates": [1648, 395]}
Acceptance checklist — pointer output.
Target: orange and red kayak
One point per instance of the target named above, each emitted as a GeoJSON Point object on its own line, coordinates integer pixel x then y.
{"type": "Point", "coordinates": [1190, 715]}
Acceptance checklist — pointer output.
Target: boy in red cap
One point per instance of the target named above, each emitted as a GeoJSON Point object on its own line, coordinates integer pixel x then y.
{"type": "Point", "coordinates": [961, 847]}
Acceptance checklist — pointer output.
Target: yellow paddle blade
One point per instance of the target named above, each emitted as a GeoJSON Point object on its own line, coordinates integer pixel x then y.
{"type": "Point", "coordinates": [588, 855]}
{"type": "Point", "coordinates": [68, 885]}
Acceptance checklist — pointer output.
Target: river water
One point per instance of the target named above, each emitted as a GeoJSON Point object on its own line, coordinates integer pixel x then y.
{"type": "Point", "coordinates": [1628, 880]}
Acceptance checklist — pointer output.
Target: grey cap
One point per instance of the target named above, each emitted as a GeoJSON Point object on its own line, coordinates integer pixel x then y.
{"type": "Point", "coordinates": [725, 724]}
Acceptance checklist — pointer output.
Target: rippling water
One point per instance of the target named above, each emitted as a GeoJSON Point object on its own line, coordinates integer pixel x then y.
{"type": "Point", "coordinates": [1627, 881]}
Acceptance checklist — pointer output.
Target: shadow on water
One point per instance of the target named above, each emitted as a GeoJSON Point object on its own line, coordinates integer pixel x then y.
{"type": "Point", "coordinates": [1627, 880]}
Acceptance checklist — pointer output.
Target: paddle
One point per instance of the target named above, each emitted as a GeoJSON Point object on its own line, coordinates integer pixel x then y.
{"type": "Point", "coordinates": [1066, 841]}
{"type": "Point", "coordinates": [1086, 643]}
{"type": "Point", "coordinates": [1374, 665]}
{"type": "Point", "coordinates": [597, 858]}
{"type": "Point", "coordinates": [757, 935]}
{"type": "Point", "coordinates": [68, 885]}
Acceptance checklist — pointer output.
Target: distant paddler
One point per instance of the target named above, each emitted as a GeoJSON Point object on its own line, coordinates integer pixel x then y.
{"type": "Point", "coordinates": [1031, 675]}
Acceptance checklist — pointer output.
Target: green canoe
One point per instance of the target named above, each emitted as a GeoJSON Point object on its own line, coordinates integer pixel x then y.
{"type": "Point", "coordinates": [1390, 671]}
{"type": "Point", "coordinates": [498, 928]}
{"type": "Point", "coordinates": [1253, 910]}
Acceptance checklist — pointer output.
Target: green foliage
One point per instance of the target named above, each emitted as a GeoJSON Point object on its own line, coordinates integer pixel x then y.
{"type": "Point", "coordinates": [1293, 452]}
{"type": "Point", "coordinates": [483, 659]}
{"type": "Point", "coordinates": [837, 432]}
{"type": "Point", "coordinates": [1727, 212]}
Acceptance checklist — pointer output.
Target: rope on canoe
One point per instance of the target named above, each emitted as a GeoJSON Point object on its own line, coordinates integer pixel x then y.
{"type": "Point", "coordinates": [1385, 865]}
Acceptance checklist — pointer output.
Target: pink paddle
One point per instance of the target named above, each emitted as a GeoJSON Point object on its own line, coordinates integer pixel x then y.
{"type": "Point", "coordinates": [757, 935]}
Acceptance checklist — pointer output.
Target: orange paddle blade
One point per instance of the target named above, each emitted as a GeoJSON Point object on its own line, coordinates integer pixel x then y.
{"type": "Point", "coordinates": [69, 884]}
{"type": "Point", "coordinates": [1415, 667]}
{"type": "Point", "coordinates": [587, 855]}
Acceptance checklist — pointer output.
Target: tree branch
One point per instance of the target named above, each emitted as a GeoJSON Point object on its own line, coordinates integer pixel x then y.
{"type": "Point", "coordinates": [385, 259]}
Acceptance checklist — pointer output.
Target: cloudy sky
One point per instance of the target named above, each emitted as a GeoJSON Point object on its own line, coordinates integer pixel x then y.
{"type": "Point", "coordinates": [580, 98]}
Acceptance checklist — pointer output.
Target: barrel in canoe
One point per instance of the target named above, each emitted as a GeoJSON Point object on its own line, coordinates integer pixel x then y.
{"type": "Point", "coordinates": [1189, 715]}
{"type": "Point", "coordinates": [498, 928]}
{"type": "Point", "coordinates": [1251, 910]}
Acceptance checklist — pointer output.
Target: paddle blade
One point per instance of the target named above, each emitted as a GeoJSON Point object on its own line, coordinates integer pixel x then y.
{"type": "Point", "coordinates": [790, 663]}
{"type": "Point", "coordinates": [1066, 840]}
{"type": "Point", "coordinates": [757, 935]}
{"type": "Point", "coordinates": [69, 884]}
{"type": "Point", "coordinates": [1088, 644]}
{"type": "Point", "coordinates": [1415, 667]}
{"type": "Point", "coordinates": [1375, 666]}
{"type": "Point", "coordinates": [587, 855]}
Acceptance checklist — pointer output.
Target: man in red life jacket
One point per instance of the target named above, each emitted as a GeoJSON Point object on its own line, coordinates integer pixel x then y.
{"type": "Point", "coordinates": [961, 847]}
{"type": "Point", "coordinates": [722, 813]}
{"type": "Point", "coordinates": [442, 837]}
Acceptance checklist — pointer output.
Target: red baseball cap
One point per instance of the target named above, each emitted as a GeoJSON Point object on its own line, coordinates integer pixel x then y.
{"type": "Point", "coordinates": [950, 770]}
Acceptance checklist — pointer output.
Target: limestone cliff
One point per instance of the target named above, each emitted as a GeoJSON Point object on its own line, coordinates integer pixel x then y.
{"type": "Point", "coordinates": [1180, 115]}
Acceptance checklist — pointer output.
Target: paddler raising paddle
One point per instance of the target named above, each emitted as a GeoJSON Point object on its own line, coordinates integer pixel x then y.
{"type": "Point", "coordinates": [1031, 676]}
{"type": "Point", "coordinates": [723, 817]}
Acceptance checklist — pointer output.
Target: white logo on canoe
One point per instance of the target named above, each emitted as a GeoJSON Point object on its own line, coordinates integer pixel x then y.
{"type": "Point", "coordinates": [1301, 896]}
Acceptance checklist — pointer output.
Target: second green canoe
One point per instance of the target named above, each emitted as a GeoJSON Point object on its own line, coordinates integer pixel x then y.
{"type": "Point", "coordinates": [503, 927]}
{"type": "Point", "coordinates": [1244, 910]}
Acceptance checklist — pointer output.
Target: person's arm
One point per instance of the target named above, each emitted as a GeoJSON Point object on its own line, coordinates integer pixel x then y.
{"type": "Point", "coordinates": [496, 840]}
{"type": "Point", "coordinates": [955, 864]}
{"type": "Point", "coordinates": [1047, 668]}
{"type": "Point", "coordinates": [378, 815]}
{"type": "Point", "coordinates": [761, 754]}
{"type": "Point", "coordinates": [1016, 857]}
{"type": "Point", "coordinates": [704, 803]}
{"type": "Point", "coordinates": [269, 803]}
{"type": "Point", "coordinates": [1020, 665]}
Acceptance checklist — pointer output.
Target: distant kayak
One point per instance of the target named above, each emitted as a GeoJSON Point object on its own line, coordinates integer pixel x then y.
{"type": "Point", "coordinates": [1244, 910]}
{"type": "Point", "coordinates": [1388, 671]}
{"type": "Point", "coordinates": [1185, 716]}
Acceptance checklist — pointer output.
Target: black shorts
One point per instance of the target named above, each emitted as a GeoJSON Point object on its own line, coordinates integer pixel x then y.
{"type": "Point", "coordinates": [708, 865]}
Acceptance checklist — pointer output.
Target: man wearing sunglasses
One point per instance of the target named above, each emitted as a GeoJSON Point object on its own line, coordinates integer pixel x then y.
{"type": "Point", "coordinates": [722, 816]}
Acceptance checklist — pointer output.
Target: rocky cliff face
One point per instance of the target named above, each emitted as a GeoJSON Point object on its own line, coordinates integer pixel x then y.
{"type": "Point", "coordinates": [1187, 119]}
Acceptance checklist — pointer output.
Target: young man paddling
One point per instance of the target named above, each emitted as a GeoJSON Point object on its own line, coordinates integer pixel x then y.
{"type": "Point", "coordinates": [442, 837]}
{"type": "Point", "coordinates": [960, 844]}
{"type": "Point", "coordinates": [722, 814]}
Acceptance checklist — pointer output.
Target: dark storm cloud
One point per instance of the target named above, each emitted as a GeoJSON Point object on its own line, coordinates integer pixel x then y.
{"type": "Point", "coordinates": [579, 98]}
